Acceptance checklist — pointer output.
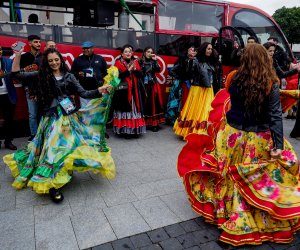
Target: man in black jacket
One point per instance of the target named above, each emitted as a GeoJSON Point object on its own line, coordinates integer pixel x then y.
{"type": "Point", "coordinates": [89, 69]}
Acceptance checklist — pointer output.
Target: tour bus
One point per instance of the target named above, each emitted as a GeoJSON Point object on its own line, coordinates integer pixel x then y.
{"type": "Point", "coordinates": [169, 26]}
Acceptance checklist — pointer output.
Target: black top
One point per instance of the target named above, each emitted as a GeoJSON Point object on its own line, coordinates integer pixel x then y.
{"type": "Point", "coordinates": [149, 68]}
{"type": "Point", "coordinates": [283, 74]}
{"type": "Point", "coordinates": [83, 63]}
{"type": "Point", "coordinates": [270, 117]}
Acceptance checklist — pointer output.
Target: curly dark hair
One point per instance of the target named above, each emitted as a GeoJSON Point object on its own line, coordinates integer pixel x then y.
{"type": "Point", "coordinates": [46, 89]}
{"type": "Point", "coordinates": [255, 77]}
{"type": "Point", "coordinates": [212, 59]}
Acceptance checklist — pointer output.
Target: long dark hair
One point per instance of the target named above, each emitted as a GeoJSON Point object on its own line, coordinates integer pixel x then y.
{"type": "Point", "coordinates": [255, 77]}
{"type": "Point", "coordinates": [201, 56]}
{"type": "Point", "coordinates": [143, 57]}
{"type": "Point", "coordinates": [46, 89]}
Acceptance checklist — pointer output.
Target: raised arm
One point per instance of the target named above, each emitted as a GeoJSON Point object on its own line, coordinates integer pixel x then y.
{"type": "Point", "coordinates": [16, 62]}
{"type": "Point", "coordinates": [16, 70]}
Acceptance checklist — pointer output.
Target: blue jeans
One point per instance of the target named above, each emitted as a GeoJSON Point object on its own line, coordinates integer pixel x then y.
{"type": "Point", "coordinates": [32, 110]}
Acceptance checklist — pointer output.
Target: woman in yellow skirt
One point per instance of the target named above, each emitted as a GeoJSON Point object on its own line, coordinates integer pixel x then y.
{"type": "Point", "coordinates": [193, 116]}
{"type": "Point", "coordinates": [243, 176]}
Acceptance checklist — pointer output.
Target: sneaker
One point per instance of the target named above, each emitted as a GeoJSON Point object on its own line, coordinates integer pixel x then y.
{"type": "Point", "coordinates": [30, 138]}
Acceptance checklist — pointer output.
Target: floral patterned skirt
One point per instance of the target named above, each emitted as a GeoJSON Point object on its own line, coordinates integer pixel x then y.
{"type": "Point", "coordinates": [235, 185]}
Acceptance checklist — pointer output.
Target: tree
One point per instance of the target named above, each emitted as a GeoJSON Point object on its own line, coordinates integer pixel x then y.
{"type": "Point", "coordinates": [289, 21]}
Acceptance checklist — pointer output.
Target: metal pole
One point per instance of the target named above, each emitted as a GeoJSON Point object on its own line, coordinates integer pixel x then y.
{"type": "Point", "coordinates": [12, 9]}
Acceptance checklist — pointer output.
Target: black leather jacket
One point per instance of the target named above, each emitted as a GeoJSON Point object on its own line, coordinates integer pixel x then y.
{"type": "Point", "coordinates": [149, 68]}
{"type": "Point", "coordinates": [205, 75]}
{"type": "Point", "coordinates": [269, 119]}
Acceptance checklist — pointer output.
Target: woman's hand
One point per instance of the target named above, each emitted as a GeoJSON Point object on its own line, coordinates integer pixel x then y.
{"type": "Point", "coordinates": [275, 154]}
{"type": "Point", "coordinates": [131, 67]}
{"type": "Point", "coordinates": [105, 89]}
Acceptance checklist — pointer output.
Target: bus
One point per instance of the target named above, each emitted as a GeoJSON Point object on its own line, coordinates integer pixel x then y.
{"type": "Point", "coordinates": [169, 26]}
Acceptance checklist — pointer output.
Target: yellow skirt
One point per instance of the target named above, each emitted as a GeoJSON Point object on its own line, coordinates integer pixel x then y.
{"type": "Point", "coordinates": [193, 117]}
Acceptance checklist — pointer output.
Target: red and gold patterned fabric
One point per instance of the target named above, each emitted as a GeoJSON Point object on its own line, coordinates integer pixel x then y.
{"type": "Point", "coordinates": [232, 182]}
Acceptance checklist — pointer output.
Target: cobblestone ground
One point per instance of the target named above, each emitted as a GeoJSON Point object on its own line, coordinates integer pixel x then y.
{"type": "Point", "coordinates": [193, 234]}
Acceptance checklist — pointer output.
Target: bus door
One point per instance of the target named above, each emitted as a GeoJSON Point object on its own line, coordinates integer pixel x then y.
{"type": "Point", "coordinates": [246, 32]}
{"type": "Point", "coordinates": [229, 43]}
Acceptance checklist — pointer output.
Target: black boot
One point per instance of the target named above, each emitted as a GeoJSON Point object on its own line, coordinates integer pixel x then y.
{"type": "Point", "coordinates": [55, 195]}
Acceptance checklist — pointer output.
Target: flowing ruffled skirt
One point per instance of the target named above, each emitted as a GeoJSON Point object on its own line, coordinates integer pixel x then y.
{"type": "Point", "coordinates": [232, 182]}
{"type": "Point", "coordinates": [154, 114]}
{"type": "Point", "coordinates": [193, 116]}
{"type": "Point", "coordinates": [64, 144]}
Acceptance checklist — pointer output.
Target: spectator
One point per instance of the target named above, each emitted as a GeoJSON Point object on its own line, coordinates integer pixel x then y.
{"type": "Point", "coordinates": [251, 40]}
{"type": "Point", "coordinates": [28, 63]}
{"type": "Point", "coordinates": [8, 99]}
{"type": "Point", "coordinates": [50, 44]}
{"type": "Point", "coordinates": [89, 69]}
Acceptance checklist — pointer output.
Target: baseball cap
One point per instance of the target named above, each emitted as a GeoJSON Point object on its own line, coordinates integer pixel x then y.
{"type": "Point", "coordinates": [87, 44]}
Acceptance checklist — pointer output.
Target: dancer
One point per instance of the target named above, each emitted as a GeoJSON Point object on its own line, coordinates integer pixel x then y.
{"type": "Point", "coordinates": [154, 104]}
{"type": "Point", "coordinates": [183, 74]}
{"type": "Point", "coordinates": [67, 140]}
{"type": "Point", "coordinates": [243, 176]}
{"type": "Point", "coordinates": [128, 99]}
{"type": "Point", "coordinates": [193, 117]}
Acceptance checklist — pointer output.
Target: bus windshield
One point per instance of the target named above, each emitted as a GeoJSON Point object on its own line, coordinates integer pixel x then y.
{"type": "Point", "coordinates": [189, 16]}
{"type": "Point", "coordinates": [262, 26]}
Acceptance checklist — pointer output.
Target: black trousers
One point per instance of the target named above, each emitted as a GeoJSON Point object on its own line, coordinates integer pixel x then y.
{"type": "Point", "coordinates": [296, 130]}
{"type": "Point", "coordinates": [8, 111]}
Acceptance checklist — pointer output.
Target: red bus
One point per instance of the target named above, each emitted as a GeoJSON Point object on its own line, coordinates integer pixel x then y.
{"type": "Point", "coordinates": [166, 25]}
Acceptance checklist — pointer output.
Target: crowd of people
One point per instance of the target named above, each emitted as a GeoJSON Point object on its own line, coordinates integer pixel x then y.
{"type": "Point", "coordinates": [238, 170]}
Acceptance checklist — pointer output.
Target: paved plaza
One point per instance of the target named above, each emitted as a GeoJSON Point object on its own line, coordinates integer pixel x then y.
{"type": "Point", "coordinates": [144, 207]}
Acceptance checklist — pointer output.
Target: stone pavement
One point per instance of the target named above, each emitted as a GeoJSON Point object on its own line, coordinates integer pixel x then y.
{"type": "Point", "coordinates": [145, 207]}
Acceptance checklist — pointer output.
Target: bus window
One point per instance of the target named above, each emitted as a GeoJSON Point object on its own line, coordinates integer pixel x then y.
{"type": "Point", "coordinates": [175, 45]}
{"type": "Point", "coordinates": [187, 16]}
{"type": "Point", "coordinates": [260, 24]}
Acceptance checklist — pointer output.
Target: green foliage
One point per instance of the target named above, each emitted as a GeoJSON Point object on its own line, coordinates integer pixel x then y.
{"type": "Point", "coordinates": [289, 21]}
